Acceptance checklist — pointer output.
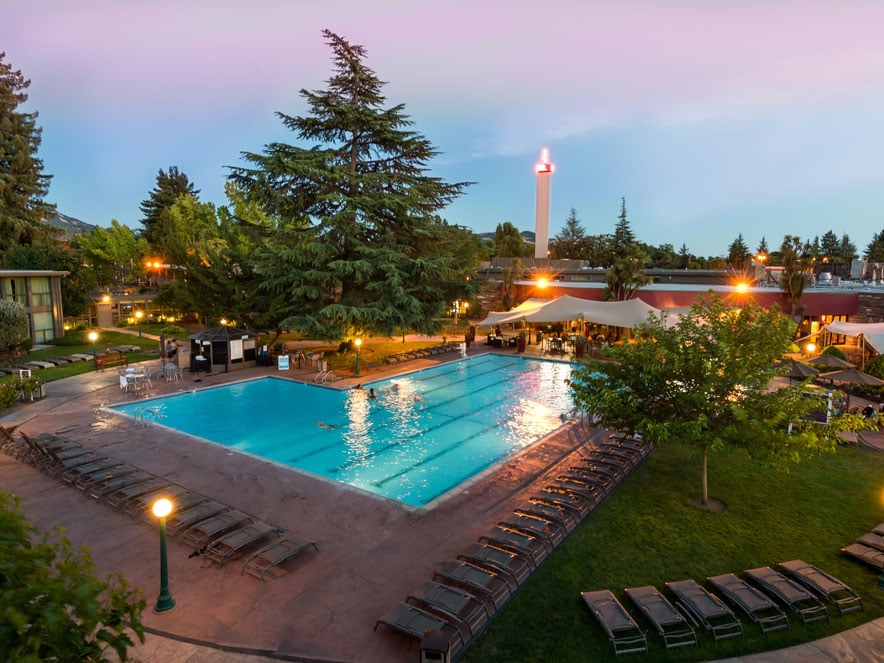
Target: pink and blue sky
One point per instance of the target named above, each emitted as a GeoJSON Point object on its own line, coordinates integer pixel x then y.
{"type": "Point", "coordinates": [711, 117]}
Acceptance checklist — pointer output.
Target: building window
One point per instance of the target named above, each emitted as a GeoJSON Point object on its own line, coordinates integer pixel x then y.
{"type": "Point", "coordinates": [41, 294]}
{"type": "Point", "coordinates": [43, 328]}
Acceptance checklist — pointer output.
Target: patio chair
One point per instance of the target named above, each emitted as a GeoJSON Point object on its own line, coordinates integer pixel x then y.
{"type": "Point", "coordinates": [872, 540]}
{"type": "Point", "coordinates": [85, 482]}
{"type": "Point", "coordinates": [73, 474]}
{"type": "Point", "coordinates": [552, 533]}
{"type": "Point", "coordinates": [485, 584]}
{"type": "Point", "coordinates": [530, 547]}
{"type": "Point", "coordinates": [181, 520]}
{"type": "Point", "coordinates": [621, 629]}
{"type": "Point", "coordinates": [789, 593]}
{"type": "Point", "coordinates": [879, 529]}
{"type": "Point", "coordinates": [414, 622]}
{"type": "Point", "coordinates": [226, 547]}
{"type": "Point", "coordinates": [706, 609]}
{"type": "Point", "coordinates": [271, 557]}
{"type": "Point", "coordinates": [862, 553]}
{"type": "Point", "coordinates": [201, 533]}
{"type": "Point", "coordinates": [514, 568]}
{"type": "Point", "coordinates": [755, 605]}
{"type": "Point", "coordinates": [611, 469]}
{"type": "Point", "coordinates": [566, 519]}
{"type": "Point", "coordinates": [672, 626]}
{"type": "Point", "coordinates": [594, 488]}
{"type": "Point", "coordinates": [828, 587]}
{"type": "Point", "coordinates": [453, 604]}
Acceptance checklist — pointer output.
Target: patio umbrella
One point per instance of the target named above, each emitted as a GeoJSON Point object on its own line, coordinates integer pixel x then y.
{"type": "Point", "coordinates": [799, 371]}
{"type": "Point", "coordinates": [829, 360]}
{"type": "Point", "coordinates": [853, 376]}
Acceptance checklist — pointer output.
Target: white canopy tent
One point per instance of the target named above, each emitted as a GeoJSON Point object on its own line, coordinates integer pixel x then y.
{"type": "Point", "coordinates": [513, 315]}
{"type": "Point", "coordinates": [629, 313]}
{"type": "Point", "coordinates": [872, 333]}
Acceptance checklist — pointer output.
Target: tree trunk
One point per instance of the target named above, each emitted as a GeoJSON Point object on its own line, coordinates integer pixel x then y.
{"type": "Point", "coordinates": [705, 477]}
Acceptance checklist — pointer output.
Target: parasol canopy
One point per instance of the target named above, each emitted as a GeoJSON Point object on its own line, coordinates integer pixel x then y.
{"type": "Point", "coordinates": [799, 371]}
{"type": "Point", "coordinates": [830, 360]}
{"type": "Point", "coordinates": [853, 376]}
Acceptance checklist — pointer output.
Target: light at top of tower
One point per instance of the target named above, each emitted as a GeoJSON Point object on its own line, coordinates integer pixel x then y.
{"type": "Point", "coordinates": [544, 166]}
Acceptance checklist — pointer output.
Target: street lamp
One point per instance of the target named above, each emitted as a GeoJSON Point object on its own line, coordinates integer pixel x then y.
{"type": "Point", "coordinates": [162, 508]}
{"type": "Point", "coordinates": [357, 343]}
{"type": "Point", "coordinates": [93, 336]}
{"type": "Point", "coordinates": [138, 316]}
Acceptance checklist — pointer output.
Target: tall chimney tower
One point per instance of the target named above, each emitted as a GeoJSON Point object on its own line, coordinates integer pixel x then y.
{"type": "Point", "coordinates": [541, 217]}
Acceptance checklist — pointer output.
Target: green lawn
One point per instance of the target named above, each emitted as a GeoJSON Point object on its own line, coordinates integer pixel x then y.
{"type": "Point", "coordinates": [648, 533]}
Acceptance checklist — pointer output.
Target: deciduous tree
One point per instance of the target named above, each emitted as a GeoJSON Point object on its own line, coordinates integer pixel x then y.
{"type": "Point", "coordinates": [54, 607]}
{"type": "Point", "coordinates": [705, 381]}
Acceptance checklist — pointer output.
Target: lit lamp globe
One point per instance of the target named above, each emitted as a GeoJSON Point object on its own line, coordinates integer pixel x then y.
{"type": "Point", "coordinates": [162, 508]}
{"type": "Point", "coordinates": [358, 343]}
{"type": "Point", "coordinates": [810, 348]}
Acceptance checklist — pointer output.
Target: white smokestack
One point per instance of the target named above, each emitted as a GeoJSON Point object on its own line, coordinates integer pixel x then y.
{"type": "Point", "coordinates": [541, 218]}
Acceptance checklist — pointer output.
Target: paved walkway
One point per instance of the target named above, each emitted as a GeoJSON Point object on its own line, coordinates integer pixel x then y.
{"type": "Point", "coordinates": [372, 553]}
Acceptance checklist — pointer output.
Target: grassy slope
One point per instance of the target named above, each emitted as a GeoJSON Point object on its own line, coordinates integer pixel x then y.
{"type": "Point", "coordinates": [647, 533]}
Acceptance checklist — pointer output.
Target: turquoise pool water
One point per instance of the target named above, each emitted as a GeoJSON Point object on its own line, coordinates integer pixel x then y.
{"type": "Point", "coordinates": [426, 432]}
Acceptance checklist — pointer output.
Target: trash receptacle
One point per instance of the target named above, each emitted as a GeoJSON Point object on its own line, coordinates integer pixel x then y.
{"type": "Point", "coordinates": [435, 648]}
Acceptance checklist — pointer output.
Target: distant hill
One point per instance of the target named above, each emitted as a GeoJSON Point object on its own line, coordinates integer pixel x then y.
{"type": "Point", "coordinates": [69, 225]}
{"type": "Point", "coordinates": [527, 235]}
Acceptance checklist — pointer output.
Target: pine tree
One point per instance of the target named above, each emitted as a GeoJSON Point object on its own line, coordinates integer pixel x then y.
{"type": "Point", "coordinates": [875, 249]}
{"type": "Point", "coordinates": [357, 246]}
{"type": "Point", "coordinates": [626, 274]}
{"type": "Point", "coordinates": [830, 247]}
{"type": "Point", "coordinates": [738, 254]}
{"type": "Point", "coordinates": [170, 185]}
{"type": "Point", "coordinates": [23, 184]}
{"type": "Point", "coordinates": [762, 249]}
{"type": "Point", "coordinates": [624, 238]}
{"type": "Point", "coordinates": [569, 243]}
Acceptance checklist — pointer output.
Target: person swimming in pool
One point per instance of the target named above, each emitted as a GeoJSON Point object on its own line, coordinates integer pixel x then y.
{"type": "Point", "coordinates": [372, 393]}
{"type": "Point", "coordinates": [325, 425]}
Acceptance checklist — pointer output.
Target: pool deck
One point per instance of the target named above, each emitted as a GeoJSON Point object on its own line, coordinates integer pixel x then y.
{"type": "Point", "coordinates": [372, 552]}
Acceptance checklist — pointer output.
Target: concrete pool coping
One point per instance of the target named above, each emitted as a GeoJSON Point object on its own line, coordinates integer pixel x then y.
{"type": "Point", "coordinates": [372, 553]}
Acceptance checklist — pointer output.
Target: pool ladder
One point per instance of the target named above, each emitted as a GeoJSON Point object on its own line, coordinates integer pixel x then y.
{"type": "Point", "coordinates": [325, 376]}
{"type": "Point", "coordinates": [145, 416]}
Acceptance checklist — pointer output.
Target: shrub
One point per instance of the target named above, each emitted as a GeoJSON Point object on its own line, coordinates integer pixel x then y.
{"type": "Point", "coordinates": [876, 367]}
{"type": "Point", "coordinates": [832, 350]}
{"type": "Point", "coordinates": [171, 331]}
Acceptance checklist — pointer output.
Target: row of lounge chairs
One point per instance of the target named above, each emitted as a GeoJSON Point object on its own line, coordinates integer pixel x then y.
{"type": "Point", "coordinates": [466, 592]}
{"type": "Point", "coordinates": [431, 351]}
{"type": "Point", "coordinates": [214, 530]}
{"type": "Point", "coordinates": [762, 597]}
{"type": "Point", "coordinates": [868, 549]}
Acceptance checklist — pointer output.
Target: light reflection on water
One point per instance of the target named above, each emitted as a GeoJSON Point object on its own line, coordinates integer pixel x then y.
{"type": "Point", "coordinates": [424, 434]}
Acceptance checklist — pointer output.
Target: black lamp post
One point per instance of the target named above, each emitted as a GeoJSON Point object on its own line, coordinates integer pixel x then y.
{"type": "Point", "coordinates": [161, 509]}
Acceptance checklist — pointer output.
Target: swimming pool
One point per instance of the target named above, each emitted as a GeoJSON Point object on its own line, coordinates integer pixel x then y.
{"type": "Point", "coordinates": [425, 433]}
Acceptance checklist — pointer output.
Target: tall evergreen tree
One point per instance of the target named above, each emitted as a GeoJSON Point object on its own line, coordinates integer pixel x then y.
{"type": "Point", "coordinates": [830, 247]}
{"type": "Point", "coordinates": [23, 184]}
{"type": "Point", "coordinates": [569, 243]}
{"type": "Point", "coordinates": [356, 247]}
{"type": "Point", "coordinates": [627, 271]}
{"type": "Point", "coordinates": [762, 249]}
{"type": "Point", "coordinates": [846, 249]}
{"type": "Point", "coordinates": [875, 249]}
{"type": "Point", "coordinates": [738, 254]}
{"type": "Point", "coordinates": [684, 257]}
{"type": "Point", "coordinates": [170, 185]}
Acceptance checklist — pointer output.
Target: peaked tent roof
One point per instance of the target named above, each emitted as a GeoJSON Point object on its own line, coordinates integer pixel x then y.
{"type": "Point", "coordinates": [222, 334]}
{"type": "Point", "coordinates": [514, 314]}
{"type": "Point", "coordinates": [627, 313]}
{"type": "Point", "coordinates": [873, 332]}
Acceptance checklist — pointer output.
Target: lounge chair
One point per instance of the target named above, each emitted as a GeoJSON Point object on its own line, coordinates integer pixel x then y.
{"type": "Point", "coordinates": [73, 474]}
{"type": "Point", "coordinates": [201, 533]}
{"type": "Point", "coordinates": [603, 483]}
{"type": "Point", "coordinates": [866, 555]}
{"type": "Point", "coordinates": [872, 540]}
{"type": "Point", "coordinates": [592, 493]}
{"type": "Point", "coordinates": [94, 478]}
{"type": "Point", "coordinates": [551, 532]}
{"type": "Point", "coordinates": [618, 624]}
{"type": "Point", "coordinates": [224, 548]}
{"type": "Point", "coordinates": [672, 626]}
{"type": "Point", "coordinates": [530, 547]}
{"type": "Point", "coordinates": [414, 622]}
{"type": "Point", "coordinates": [624, 459]}
{"type": "Point", "coordinates": [612, 469]}
{"type": "Point", "coordinates": [756, 606]}
{"type": "Point", "coordinates": [579, 505]}
{"type": "Point", "coordinates": [829, 588]}
{"type": "Point", "coordinates": [180, 504]}
{"type": "Point", "coordinates": [511, 566]}
{"type": "Point", "coordinates": [566, 519]}
{"type": "Point", "coordinates": [789, 593]}
{"type": "Point", "coordinates": [179, 521]}
{"type": "Point", "coordinates": [485, 584]}
{"type": "Point", "coordinates": [270, 557]}
{"type": "Point", "coordinates": [453, 604]}
{"type": "Point", "coordinates": [102, 489]}
{"type": "Point", "coordinates": [138, 504]}
{"type": "Point", "coordinates": [121, 497]}
{"type": "Point", "coordinates": [879, 529]}
{"type": "Point", "coordinates": [706, 609]}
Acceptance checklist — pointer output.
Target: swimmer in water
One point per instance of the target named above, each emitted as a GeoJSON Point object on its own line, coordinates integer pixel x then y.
{"type": "Point", "coordinates": [372, 393]}
{"type": "Point", "coordinates": [327, 426]}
